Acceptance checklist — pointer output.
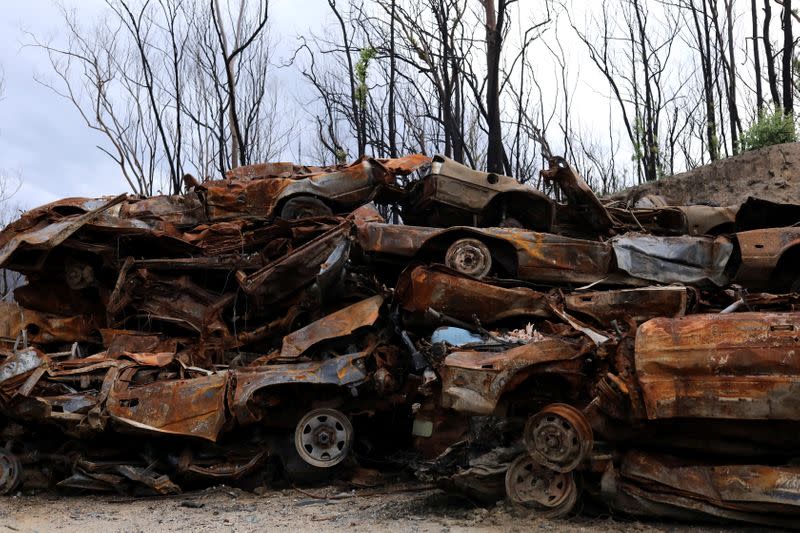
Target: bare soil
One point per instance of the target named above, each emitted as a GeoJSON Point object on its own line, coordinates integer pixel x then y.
{"type": "Point", "coordinates": [771, 173]}
{"type": "Point", "coordinates": [394, 508]}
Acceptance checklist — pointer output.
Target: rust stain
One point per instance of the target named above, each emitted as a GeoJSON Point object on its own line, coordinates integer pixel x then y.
{"type": "Point", "coordinates": [338, 324]}
{"type": "Point", "coordinates": [182, 338]}
{"type": "Point", "coordinates": [738, 365]}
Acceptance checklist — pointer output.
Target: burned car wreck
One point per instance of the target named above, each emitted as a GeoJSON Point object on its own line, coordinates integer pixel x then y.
{"type": "Point", "coordinates": [283, 323]}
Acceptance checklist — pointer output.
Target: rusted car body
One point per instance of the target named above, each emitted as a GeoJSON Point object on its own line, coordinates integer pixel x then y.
{"type": "Point", "coordinates": [639, 304]}
{"type": "Point", "coordinates": [154, 394]}
{"type": "Point", "coordinates": [525, 254]}
{"type": "Point", "coordinates": [648, 484]}
{"type": "Point", "coordinates": [583, 213]}
{"type": "Point", "coordinates": [600, 352]}
{"type": "Point", "coordinates": [714, 369]}
{"type": "Point", "coordinates": [455, 194]}
{"type": "Point", "coordinates": [630, 259]}
{"type": "Point", "coordinates": [263, 190]}
{"type": "Point", "coordinates": [769, 258]}
{"type": "Point", "coordinates": [474, 381]}
{"type": "Point", "coordinates": [424, 288]}
{"type": "Point", "coordinates": [736, 365]}
{"type": "Point", "coordinates": [421, 288]}
{"type": "Point", "coordinates": [679, 219]}
{"type": "Point", "coordinates": [182, 284]}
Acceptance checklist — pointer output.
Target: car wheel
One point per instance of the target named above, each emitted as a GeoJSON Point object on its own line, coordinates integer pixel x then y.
{"type": "Point", "coordinates": [304, 207]}
{"type": "Point", "coordinates": [10, 471]}
{"type": "Point", "coordinates": [551, 494]}
{"type": "Point", "coordinates": [559, 437]}
{"type": "Point", "coordinates": [323, 437]}
{"type": "Point", "coordinates": [470, 257]}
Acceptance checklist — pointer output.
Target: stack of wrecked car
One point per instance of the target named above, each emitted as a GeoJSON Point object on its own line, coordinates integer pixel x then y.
{"type": "Point", "coordinates": [299, 320]}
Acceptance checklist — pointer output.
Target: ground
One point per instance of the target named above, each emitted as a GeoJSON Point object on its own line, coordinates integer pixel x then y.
{"type": "Point", "coordinates": [395, 508]}
{"type": "Point", "coordinates": [769, 173]}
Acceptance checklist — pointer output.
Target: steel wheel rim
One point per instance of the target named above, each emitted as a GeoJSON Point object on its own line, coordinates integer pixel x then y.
{"type": "Point", "coordinates": [470, 257]}
{"type": "Point", "coordinates": [323, 437]}
{"type": "Point", "coordinates": [559, 437]}
{"type": "Point", "coordinates": [529, 483]}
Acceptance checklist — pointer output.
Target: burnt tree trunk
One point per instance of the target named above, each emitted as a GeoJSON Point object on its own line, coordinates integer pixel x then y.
{"type": "Point", "coordinates": [772, 75]}
{"type": "Point", "coordinates": [494, 44]}
{"type": "Point", "coordinates": [756, 58]}
{"type": "Point", "coordinates": [650, 151]}
{"type": "Point", "coordinates": [788, 48]}
{"type": "Point", "coordinates": [392, 123]}
{"type": "Point", "coordinates": [704, 48]}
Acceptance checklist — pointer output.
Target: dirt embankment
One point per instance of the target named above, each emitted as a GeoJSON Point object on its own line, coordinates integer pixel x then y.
{"type": "Point", "coordinates": [771, 173]}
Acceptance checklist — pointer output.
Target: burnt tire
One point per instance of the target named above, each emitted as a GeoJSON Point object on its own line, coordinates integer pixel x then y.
{"type": "Point", "coordinates": [10, 471]}
{"type": "Point", "coordinates": [469, 256]}
{"type": "Point", "coordinates": [304, 207]}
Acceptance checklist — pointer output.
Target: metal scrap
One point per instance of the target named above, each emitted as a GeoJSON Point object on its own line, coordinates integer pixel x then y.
{"type": "Point", "coordinates": [500, 342]}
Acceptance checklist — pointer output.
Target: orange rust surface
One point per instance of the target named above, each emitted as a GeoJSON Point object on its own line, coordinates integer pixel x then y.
{"type": "Point", "coordinates": [738, 365]}
{"type": "Point", "coordinates": [460, 296]}
{"type": "Point", "coordinates": [191, 407]}
{"type": "Point", "coordinates": [543, 351]}
{"type": "Point", "coordinates": [234, 198]}
{"type": "Point", "coordinates": [473, 381]}
{"type": "Point", "coordinates": [343, 370]}
{"type": "Point", "coordinates": [761, 249]}
{"type": "Point", "coordinates": [338, 324]}
{"type": "Point", "coordinates": [405, 165]}
{"type": "Point", "coordinates": [256, 190]}
{"type": "Point", "coordinates": [44, 327]}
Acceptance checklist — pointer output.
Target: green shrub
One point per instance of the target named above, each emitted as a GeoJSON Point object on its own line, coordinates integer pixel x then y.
{"type": "Point", "coordinates": [768, 129]}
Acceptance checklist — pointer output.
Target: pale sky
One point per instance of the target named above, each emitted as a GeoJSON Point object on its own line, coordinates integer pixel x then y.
{"type": "Point", "coordinates": [44, 141]}
{"type": "Point", "coordinates": [42, 137]}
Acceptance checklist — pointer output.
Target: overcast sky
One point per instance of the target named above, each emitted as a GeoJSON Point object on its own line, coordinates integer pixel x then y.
{"type": "Point", "coordinates": [42, 137]}
{"type": "Point", "coordinates": [44, 142]}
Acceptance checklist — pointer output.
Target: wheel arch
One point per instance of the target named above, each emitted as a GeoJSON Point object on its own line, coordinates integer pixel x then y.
{"type": "Point", "coordinates": [526, 204]}
{"type": "Point", "coordinates": [787, 269]}
{"type": "Point", "coordinates": [282, 200]}
{"type": "Point", "coordinates": [537, 379]}
{"type": "Point", "coordinates": [503, 252]}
